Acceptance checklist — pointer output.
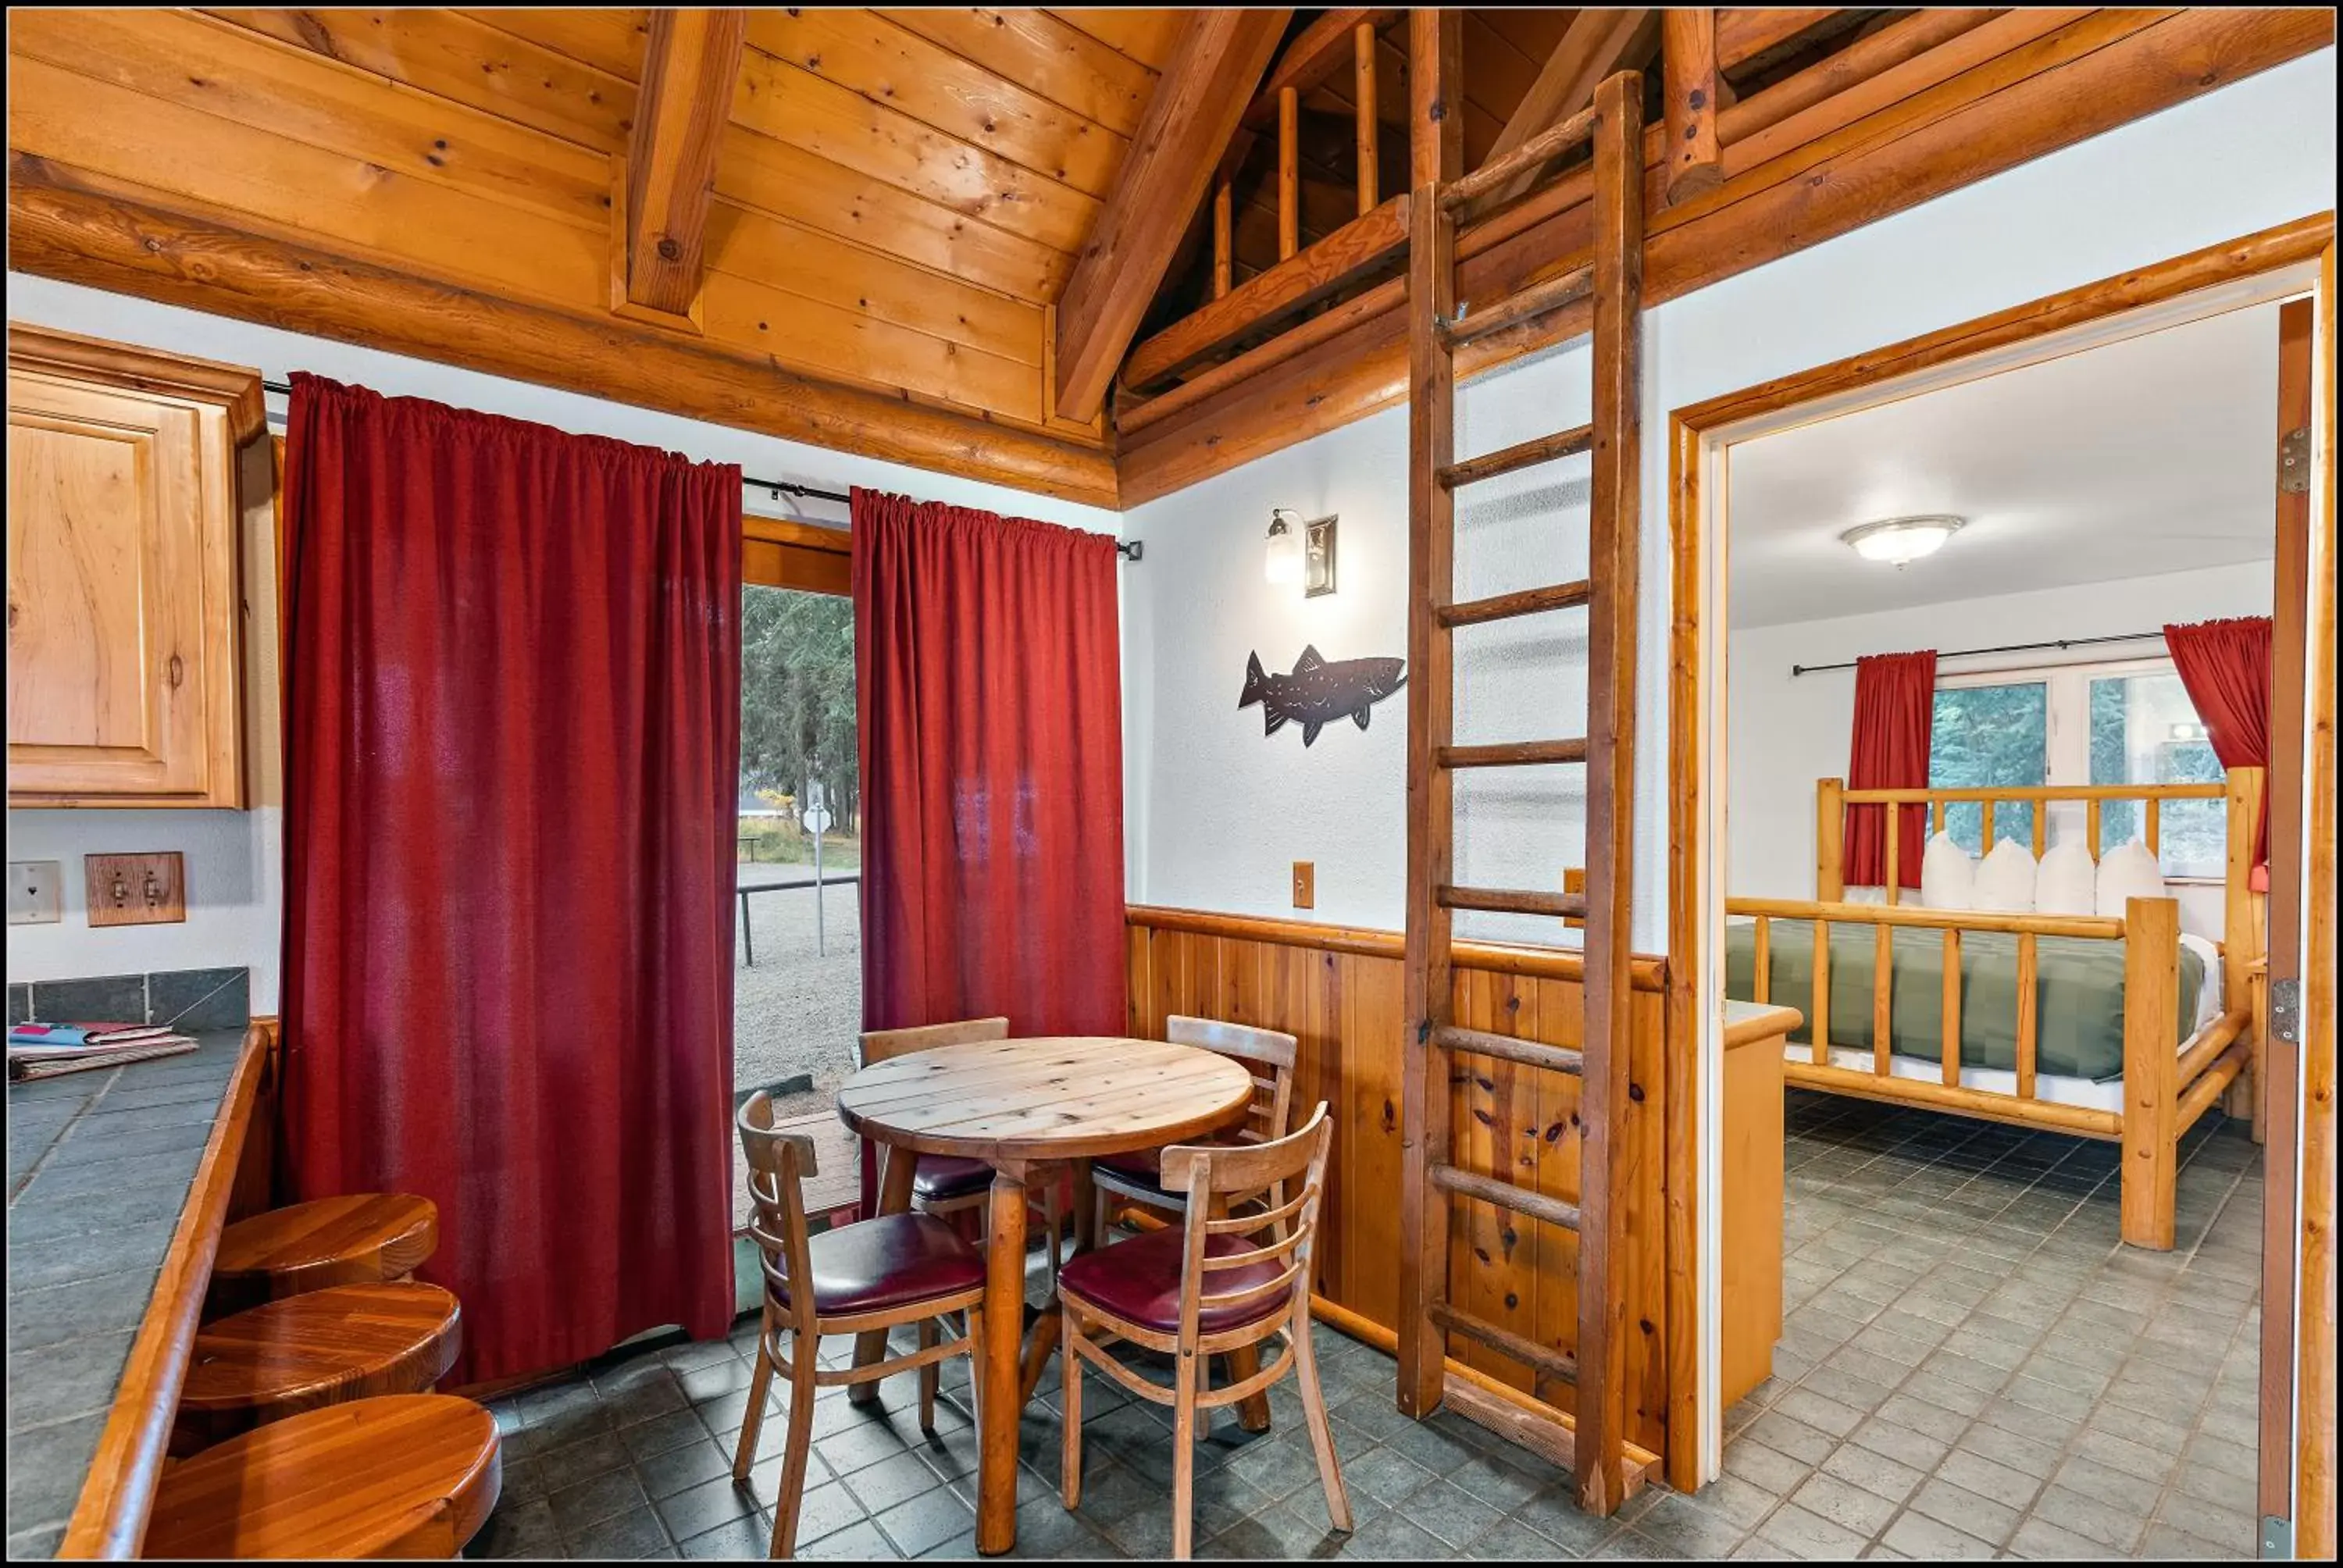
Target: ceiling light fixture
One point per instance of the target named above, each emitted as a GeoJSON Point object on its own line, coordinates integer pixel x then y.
{"type": "Point", "coordinates": [1899, 540]}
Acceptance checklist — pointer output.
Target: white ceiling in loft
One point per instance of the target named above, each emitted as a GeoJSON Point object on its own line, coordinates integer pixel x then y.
{"type": "Point", "coordinates": [2149, 455]}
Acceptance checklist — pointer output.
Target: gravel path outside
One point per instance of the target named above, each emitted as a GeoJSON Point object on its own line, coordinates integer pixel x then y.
{"type": "Point", "coordinates": [798, 1010]}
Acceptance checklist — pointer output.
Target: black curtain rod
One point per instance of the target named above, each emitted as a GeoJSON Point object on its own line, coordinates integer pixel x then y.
{"type": "Point", "coordinates": [1130, 549]}
{"type": "Point", "coordinates": [1798, 669]}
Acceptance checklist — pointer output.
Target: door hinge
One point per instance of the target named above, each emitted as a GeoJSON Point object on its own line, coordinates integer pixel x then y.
{"type": "Point", "coordinates": [2285, 1011]}
{"type": "Point", "coordinates": [2278, 1539]}
{"type": "Point", "coordinates": [2294, 462]}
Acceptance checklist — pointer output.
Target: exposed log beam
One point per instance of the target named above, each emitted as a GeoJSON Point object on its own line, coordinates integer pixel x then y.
{"type": "Point", "coordinates": [1596, 44]}
{"type": "Point", "coordinates": [1745, 32]}
{"type": "Point", "coordinates": [1317, 53]}
{"type": "Point", "coordinates": [690, 67]}
{"type": "Point", "coordinates": [1688, 44]}
{"type": "Point", "coordinates": [1205, 86]}
{"type": "Point", "coordinates": [56, 229]}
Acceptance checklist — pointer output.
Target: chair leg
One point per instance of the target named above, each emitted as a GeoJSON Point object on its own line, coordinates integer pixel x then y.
{"type": "Point", "coordinates": [1050, 1217]}
{"type": "Point", "coordinates": [929, 1377]}
{"type": "Point", "coordinates": [1070, 1380]}
{"type": "Point", "coordinates": [803, 1367]}
{"type": "Point", "coordinates": [1321, 1436]}
{"type": "Point", "coordinates": [975, 1340]}
{"type": "Point", "coordinates": [1184, 1456]}
{"type": "Point", "coordinates": [760, 1388]}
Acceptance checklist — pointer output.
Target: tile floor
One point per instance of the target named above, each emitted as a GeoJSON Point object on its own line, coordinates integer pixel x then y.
{"type": "Point", "coordinates": [1972, 1367]}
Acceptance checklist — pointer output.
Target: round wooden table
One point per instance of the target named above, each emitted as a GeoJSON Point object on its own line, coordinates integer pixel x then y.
{"type": "Point", "coordinates": [1026, 1107]}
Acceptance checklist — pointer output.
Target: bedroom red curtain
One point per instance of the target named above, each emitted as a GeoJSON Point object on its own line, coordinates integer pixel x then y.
{"type": "Point", "coordinates": [2226, 666]}
{"type": "Point", "coordinates": [1895, 711]}
{"type": "Point", "coordinates": [512, 717]}
{"type": "Point", "coordinates": [987, 661]}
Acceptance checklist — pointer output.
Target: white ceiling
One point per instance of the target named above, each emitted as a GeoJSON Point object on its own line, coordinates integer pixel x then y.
{"type": "Point", "coordinates": [2152, 455]}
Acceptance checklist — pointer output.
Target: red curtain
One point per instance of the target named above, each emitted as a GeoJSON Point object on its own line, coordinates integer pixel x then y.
{"type": "Point", "coordinates": [512, 715]}
{"type": "Point", "coordinates": [2226, 666]}
{"type": "Point", "coordinates": [988, 658]}
{"type": "Point", "coordinates": [1894, 712]}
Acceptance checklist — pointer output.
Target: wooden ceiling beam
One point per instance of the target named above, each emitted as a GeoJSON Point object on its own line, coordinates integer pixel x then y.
{"type": "Point", "coordinates": [1688, 40]}
{"type": "Point", "coordinates": [1322, 48]}
{"type": "Point", "coordinates": [1745, 32]}
{"type": "Point", "coordinates": [690, 66]}
{"type": "Point", "coordinates": [1206, 85]}
{"type": "Point", "coordinates": [1596, 44]}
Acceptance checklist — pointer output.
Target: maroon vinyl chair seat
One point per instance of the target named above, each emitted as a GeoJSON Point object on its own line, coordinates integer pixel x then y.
{"type": "Point", "coordinates": [876, 1265]}
{"type": "Point", "coordinates": [940, 1178]}
{"type": "Point", "coordinates": [1146, 1165]}
{"type": "Point", "coordinates": [1137, 1281]}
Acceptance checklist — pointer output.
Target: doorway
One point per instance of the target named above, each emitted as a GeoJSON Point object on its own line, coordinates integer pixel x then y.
{"type": "Point", "coordinates": [2254, 273]}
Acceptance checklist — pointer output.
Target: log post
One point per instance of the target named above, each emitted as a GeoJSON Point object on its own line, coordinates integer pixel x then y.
{"type": "Point", "coordinates": [2151, 1065]}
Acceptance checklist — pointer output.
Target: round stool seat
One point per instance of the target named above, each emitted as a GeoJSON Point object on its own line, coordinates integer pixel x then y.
{"type": "Point", "coordinates": [362, 1239]}
{"type": "Point", "coordinates": [324, 1347]}
{"type": "Point", "coordinates": [403, 1475]}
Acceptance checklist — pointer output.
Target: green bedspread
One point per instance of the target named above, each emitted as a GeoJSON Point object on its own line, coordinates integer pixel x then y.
{"type": "Point", "coordinates": [2080, 1001]}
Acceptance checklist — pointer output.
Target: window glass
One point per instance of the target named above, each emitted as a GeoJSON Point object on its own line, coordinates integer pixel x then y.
{"type": "Point", "coordinates": [2144, 731]}
{"type": "Point", "coordinates": [1990, 735]}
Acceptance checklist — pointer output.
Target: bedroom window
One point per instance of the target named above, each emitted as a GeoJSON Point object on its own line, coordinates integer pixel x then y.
{"type": "Point", "coordinates": [2123, 723]}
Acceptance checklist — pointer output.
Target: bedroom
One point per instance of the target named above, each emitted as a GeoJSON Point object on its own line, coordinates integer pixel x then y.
{"type": "Point", "coordinates": [2026, 1281]}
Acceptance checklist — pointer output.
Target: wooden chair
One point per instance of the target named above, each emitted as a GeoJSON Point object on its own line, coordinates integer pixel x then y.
{"type": "Point", "coordinates": [320, 1348]}
{"type": "Point", "coordinates": [945, 1183]}
{"type": "Point", "coordinates": [1137, 1177]}
{"type": "Point", "coordinates": [405, 1475]}
{"type": "Point", "coordinates": [1202, 1288]}
{"type": "Point", "coordinates": [361, 1239]}
{"type": "Point", "coordinates": [863, 1278]}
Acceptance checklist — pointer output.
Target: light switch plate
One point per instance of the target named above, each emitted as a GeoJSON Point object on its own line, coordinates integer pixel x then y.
{"type": "Point", "coordinates": [1305, 884]}
{"type": "Point", "coordinates": [136, 889]}
{"type": "Point", "coordinates": [35, 893]}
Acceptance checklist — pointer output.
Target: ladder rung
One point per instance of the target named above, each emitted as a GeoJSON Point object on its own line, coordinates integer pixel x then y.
{"type": "Point", "coordinates": [1505, 1195]}
{"type": "Point", "coordinates": [1547, 143]}
{"type": "Point", "coordinates": [1513, 754]}
{"type": "Point", "coordinates": [1524, 304]}
{"type": "Point", "coordinates": [1543, 449]}
{"type": "Point", "coordinates": [1505, 1048]}
{"type": "Point", "coordinates": [1545, 1359]}
{"type": "Point", "coordinates": [1505, 606]}
{"type": "Point", "coordinates": [1512, 901]}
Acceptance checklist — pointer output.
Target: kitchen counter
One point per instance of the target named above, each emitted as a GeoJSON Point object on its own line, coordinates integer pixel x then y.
{"type": "Point", "coordinates": [118, 1183]}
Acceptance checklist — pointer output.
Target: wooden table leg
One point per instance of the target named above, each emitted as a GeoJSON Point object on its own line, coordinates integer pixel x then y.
{"type": "Point", "coordinates": [1085, 1208]}
{"type": "Point", "coordinates": [1252, 1412]}
{"type": "Point", "coordinates": [999, 1408]}
{"type": "Point", "coordinates": [897, 1168]}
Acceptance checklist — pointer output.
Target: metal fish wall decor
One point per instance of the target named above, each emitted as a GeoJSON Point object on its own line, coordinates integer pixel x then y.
{"type": "Point", "coordinates": [1317, 693]}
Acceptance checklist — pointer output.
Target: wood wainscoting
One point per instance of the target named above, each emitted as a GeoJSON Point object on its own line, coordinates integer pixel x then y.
{"type": "Point", "coordinates": [1336, 989]}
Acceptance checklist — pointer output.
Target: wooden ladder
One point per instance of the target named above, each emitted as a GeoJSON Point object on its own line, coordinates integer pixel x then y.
{"type": "Point", "coordinates": [1589, 1440]}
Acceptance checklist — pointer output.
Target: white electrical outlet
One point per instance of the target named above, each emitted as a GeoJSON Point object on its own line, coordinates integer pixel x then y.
{"type": "Point", "coordinates": [35, 889]}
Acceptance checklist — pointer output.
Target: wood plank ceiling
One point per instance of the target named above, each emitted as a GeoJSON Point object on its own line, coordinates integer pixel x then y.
{"type": "Point", "coordinates": [898, 195]}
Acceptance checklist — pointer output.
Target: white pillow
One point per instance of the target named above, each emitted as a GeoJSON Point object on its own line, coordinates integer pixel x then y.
{"type": "Point", "coordinates": [2066, 882]}
{"type": "Point", "coordinates": [1871, 893]}
{"type": "Point", "coordinates": [2129, 872]}
{"type": "Point", "coordinates": [1947, 875]}
{"type": "Point", "coordinates": [2005, 879]}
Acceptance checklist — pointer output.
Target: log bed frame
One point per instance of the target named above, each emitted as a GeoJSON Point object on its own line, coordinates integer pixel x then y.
{"type": "Point", "coordinates": [2163, 1093]}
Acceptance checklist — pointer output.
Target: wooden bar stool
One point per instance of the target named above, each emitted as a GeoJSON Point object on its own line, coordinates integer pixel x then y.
{"type": "Point", "coordinates": [405, 1475]}
{"type": "Point", "coordinates": [322, 1347]}
{"type": "Point", "coordinates": [362, 1239]}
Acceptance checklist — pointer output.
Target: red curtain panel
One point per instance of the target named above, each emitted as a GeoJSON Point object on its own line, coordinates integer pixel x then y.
{"type": "Point", "coordinates": [1895, 711]}
{"type": "Point", "coordinates": [2226, 666]}
{"type": "Point", "coordinates": [987, 659]}
{"type": "Point", "coordinates": [512, 715]}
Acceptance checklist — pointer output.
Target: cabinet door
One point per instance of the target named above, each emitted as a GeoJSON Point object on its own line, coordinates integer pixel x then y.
{"type": "Point", "coordinates": [117, 598]}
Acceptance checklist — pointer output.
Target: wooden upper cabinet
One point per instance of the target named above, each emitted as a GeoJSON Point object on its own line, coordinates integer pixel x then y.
{"type": "Point", "coordinates": [124, 681]}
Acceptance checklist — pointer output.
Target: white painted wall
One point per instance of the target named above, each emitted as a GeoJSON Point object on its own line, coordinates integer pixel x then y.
{"type": "Point", "coordinates": [1219, 812]}
{"type": "Point", "coordinates": [235, 892]}
{"type": "Point", "coordinates": [1785, 731]}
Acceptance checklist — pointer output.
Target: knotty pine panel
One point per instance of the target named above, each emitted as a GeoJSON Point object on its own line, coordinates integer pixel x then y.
{"type": "Point", "coordinates": [1339, 993]}
{"type": "Point", "coordinates": [1146, 36]}
{"type": "Point", "coordinates": [610, 38]}
{"type": "Point", "coordinates": [1062, 63]}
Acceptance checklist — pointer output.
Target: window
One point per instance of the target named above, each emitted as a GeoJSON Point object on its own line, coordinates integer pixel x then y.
{"type": "Point", "coordinates": [2127, 723]}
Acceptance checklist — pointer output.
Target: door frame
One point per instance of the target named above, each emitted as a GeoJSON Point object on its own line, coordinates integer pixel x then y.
{"type": "Point", "coordinates": [2272, 265]}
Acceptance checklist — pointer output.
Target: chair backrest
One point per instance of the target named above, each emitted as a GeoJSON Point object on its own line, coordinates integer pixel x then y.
{"type": "Point", "coordinates": [1273, 1099]}
{"type": "Point", "coordinates": [1207, 1173]}
{"type": "Point", "coordinates": [886, 1044]}
{"type": "Point", "coordinates": [778, 1163]}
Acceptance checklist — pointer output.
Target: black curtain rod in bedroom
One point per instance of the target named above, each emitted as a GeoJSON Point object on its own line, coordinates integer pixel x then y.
{"type": "Point", "coordinates": [1128, 549]}
{"type": "Point", "coordinates": [1798, 669]}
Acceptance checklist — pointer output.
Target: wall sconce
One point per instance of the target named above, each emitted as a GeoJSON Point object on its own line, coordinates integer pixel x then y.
{"type": "Point", "coordinates": [1300, 552]}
